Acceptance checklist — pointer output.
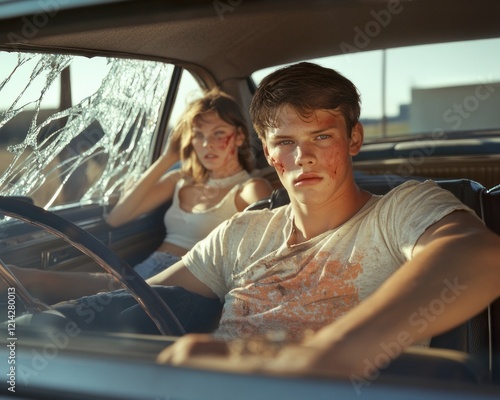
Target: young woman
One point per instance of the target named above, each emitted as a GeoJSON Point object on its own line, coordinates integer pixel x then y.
{"type": "Point", "coordinates": [212, 143]}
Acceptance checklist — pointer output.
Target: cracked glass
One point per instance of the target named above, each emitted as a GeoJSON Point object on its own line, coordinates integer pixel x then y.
{"type": "Point", "coordinates": [74, 130]}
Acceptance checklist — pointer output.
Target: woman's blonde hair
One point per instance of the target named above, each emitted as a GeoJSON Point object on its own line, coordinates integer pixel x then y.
{"type": "Point", "coordinates": [226, 108]}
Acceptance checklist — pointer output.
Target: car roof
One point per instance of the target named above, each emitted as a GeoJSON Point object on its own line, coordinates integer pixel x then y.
{"type": "Point", "coordinates": [230, 39]}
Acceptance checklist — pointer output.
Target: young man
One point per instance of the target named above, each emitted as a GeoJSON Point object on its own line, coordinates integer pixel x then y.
{"type": "Point", "coordinates": [338, 271]}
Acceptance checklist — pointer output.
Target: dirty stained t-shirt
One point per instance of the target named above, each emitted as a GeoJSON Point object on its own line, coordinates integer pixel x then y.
{"type": "Point", "coordinates": [268, 287]}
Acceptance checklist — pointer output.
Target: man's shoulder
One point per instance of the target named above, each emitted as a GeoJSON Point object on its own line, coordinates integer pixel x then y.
{"type": "Point", "coordinates": [419, 194]}
{"type": "Point", "coordinates": [413, 185]}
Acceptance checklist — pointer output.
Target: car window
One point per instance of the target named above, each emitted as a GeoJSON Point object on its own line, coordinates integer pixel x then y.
{"type": "Point", "coordinates": [75, 130]}
{"type": "Point", "coordinates": [189, 90]}
{"type": "Point", "coordinates": [423, 89]}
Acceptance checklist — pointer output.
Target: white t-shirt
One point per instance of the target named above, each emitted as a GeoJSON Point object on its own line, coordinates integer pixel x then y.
{"type": "Point", "coordinates": [186, 228]}
{"type": "Point", "coordinates": [268, 287]}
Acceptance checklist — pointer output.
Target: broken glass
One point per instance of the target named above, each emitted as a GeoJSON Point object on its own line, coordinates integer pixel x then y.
{"type": "Point", "coordinates": [81, 153]}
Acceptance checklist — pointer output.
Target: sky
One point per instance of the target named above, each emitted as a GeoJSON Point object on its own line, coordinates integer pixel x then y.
{"type": "Point", "coordinates": [425, 66]}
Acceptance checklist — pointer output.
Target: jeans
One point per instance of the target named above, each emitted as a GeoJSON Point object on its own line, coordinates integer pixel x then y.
{"type": "Point", "coordinates": [118, 311]}
{"type": "Point", "coordinates": [155, 263]}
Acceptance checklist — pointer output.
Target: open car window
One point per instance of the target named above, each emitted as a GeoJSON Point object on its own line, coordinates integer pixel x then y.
{"type": "Point", "coordinates": [76, 130]}
{"type": "Point", "coordinates": [435, 88]}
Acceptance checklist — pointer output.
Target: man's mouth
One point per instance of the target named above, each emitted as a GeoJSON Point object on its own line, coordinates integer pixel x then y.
{"type": "Point", "coordinates": [307, 179]}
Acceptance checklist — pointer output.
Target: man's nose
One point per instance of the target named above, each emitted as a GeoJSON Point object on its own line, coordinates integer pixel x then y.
{"type": "Point", "coordinates": [305, 154]}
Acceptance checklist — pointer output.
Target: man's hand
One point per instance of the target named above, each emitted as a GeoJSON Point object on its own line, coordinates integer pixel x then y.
{"type": "Point", "coordinates": [191, 346]}
{"type": "Point", "coordinates": [206, 352]}
{"type": "Point", "coordinates": [258, 356]}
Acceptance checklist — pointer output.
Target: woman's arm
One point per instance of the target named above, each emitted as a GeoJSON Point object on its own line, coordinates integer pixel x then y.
{"type": "Point", "coordinates": [150, 191]}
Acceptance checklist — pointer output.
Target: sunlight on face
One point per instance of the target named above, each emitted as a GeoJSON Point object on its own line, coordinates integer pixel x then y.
{"type": "Point", "coordinates": [310, 154]}
{"type": "Point", "coordinates": [216, 142]}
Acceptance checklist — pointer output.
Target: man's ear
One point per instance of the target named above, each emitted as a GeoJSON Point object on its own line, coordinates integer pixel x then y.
{"type": "Point", "coordinates": [356, 140]}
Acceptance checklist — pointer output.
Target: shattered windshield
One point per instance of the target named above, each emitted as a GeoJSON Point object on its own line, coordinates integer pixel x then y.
{"type": "Point", "coordinates": [75, 130]}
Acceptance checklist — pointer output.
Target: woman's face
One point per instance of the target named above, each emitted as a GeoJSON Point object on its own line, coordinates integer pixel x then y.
{"type": "Point", "coordinates": [216, 143]}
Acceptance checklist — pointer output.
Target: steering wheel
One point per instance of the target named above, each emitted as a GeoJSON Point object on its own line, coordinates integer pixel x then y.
{"type": "Point", "coordinates": [149, 300]}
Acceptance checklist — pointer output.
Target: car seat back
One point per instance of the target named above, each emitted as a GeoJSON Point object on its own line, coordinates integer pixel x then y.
{"type": "Point", "coordinates": [491, 216]}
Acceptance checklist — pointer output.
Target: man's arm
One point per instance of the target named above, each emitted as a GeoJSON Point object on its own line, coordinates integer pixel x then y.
{"type": "Point", "coordinates": [455, 263]}
{"type": "Point", "coordinates": [179, 275]}
{"type": "Point", "coordinates": [54, 286]}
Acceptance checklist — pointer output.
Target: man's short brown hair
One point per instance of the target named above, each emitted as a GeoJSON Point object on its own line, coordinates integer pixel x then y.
{"type": "Point", "coordinates": [306, 87]}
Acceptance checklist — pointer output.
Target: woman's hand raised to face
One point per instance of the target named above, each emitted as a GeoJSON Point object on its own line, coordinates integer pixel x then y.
{"type": "Point", "coordinates": [173, 146]}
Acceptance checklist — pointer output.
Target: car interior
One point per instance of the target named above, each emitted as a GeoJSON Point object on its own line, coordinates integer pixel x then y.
{"type": "Point", "coordinates": [53, 217]}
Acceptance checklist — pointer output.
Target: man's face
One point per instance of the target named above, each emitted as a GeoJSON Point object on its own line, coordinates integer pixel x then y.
{"type": "Point", "coordinates": [312, 156]}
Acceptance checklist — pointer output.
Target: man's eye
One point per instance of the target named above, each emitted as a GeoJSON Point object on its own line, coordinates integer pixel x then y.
{"type": "Point", "coordinates": [284, 142]}
{"type": "Point", "coordinates": [323, 137]}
